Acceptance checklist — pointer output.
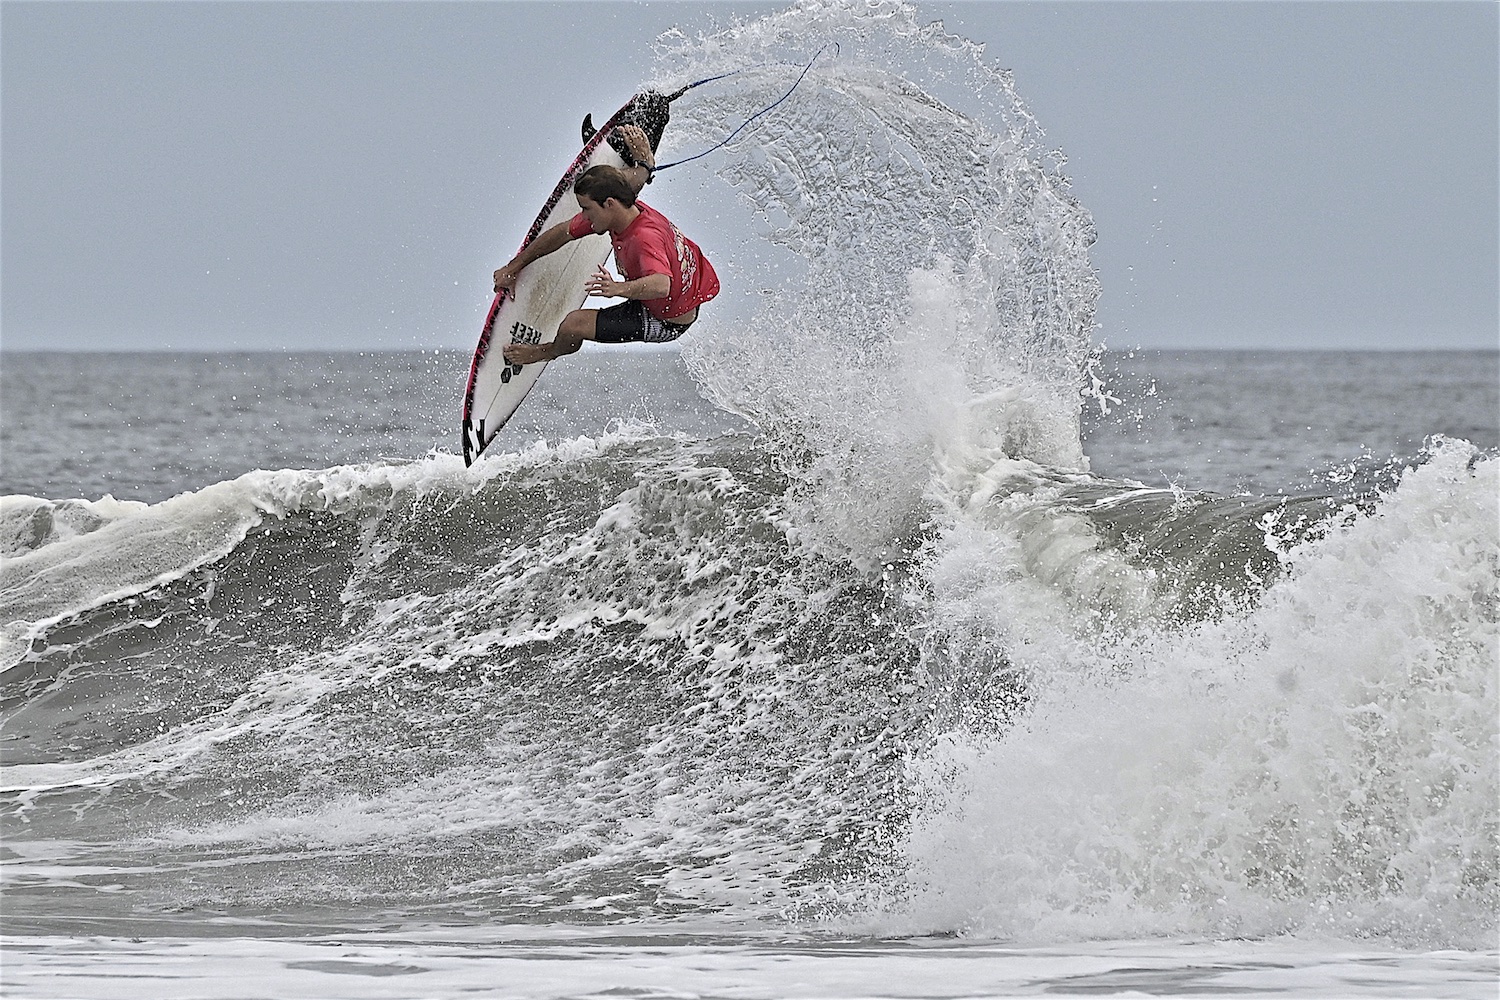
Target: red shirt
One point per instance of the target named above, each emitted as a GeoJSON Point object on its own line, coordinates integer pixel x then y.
{"type": "Point", "coordinates": [652, 245]}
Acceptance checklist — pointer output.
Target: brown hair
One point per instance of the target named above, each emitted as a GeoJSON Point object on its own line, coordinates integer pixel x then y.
{"type": "Point", "coordinates": [602, 182]}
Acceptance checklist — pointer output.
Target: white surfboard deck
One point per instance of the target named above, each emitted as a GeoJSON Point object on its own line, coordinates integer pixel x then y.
{"type": "Point", "coordinates": [546, 291]}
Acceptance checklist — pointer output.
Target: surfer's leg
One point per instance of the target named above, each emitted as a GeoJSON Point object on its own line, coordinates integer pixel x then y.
{"type": "Point", "coordinates": [576, 327]}
{"type": "Point", "coordinates": [625, 323]}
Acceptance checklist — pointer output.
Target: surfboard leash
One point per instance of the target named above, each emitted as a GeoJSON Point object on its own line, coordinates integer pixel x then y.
{"type": "Point", "coordinates": [736, 72]}
{"type": "Point", "coordinates": [763, 111]}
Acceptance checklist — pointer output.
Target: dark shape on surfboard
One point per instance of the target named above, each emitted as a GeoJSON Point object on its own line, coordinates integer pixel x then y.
{"type": "Point", "coordinates": [651, 111]}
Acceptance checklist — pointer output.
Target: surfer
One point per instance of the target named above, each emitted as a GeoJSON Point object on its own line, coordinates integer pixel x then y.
{"type": "Point", "coordinates": [666, 276]}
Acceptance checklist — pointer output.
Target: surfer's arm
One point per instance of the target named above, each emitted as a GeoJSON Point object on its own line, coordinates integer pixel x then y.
{"type": "Point", "coordinates": [638, 175]}
{"type": "Point", "coordinates": [552, 240]}
{"type": "Point", "coordinates": [651, 286]}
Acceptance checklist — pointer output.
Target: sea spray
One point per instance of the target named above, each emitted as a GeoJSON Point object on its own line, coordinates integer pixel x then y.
{"type": "Point", "coordinates": [1323, 761]}
{"type": "Point", "coordinates": [939, 260]}
{"type": "Point", "coordinates": [1106, 657]}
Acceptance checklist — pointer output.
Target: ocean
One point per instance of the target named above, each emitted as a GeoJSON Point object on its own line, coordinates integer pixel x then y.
{"type": "Point", "coordinates": [893, 639]}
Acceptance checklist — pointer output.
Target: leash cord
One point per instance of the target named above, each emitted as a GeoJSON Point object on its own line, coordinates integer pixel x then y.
{"type": "Point", "coordinates": [763, 111]}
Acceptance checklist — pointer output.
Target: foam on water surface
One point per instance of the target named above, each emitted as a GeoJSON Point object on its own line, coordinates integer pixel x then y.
{"type": "Point", "coordinates": [360, 967]}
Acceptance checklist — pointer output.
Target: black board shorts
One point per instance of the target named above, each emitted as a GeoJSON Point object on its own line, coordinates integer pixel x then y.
{"type": "Point", "coordinates": [630, 323]}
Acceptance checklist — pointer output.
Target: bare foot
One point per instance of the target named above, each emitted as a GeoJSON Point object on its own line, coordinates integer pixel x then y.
{"type": "Point", "coordinates": [527, 354]}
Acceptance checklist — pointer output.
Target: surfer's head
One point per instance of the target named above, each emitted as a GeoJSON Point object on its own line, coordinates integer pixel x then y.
{"type": "Point", "coordinates": [603, 182]}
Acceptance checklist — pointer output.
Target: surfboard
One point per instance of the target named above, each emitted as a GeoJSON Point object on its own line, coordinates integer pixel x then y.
{"type": "Point", "coordinates": [550, 288]}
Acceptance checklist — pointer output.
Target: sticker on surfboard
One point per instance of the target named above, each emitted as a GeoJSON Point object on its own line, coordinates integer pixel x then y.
{"type": "Point", "coordinates": [547, 289]}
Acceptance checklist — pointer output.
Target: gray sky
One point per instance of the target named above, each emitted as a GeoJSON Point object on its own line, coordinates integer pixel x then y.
{"type": "Point", "coordinates": [309, 175]}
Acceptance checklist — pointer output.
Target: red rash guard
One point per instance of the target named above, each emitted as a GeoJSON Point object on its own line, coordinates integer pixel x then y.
{"type": "Point", "coordinates": [652, 245]}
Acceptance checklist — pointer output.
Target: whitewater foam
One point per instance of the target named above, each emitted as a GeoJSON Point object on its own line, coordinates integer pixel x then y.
{"type": "Point", "coordinates": [1323, 761]}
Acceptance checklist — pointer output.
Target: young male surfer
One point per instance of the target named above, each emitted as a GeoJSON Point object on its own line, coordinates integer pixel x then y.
{"type": "Point", "coordinates": [666, 276]}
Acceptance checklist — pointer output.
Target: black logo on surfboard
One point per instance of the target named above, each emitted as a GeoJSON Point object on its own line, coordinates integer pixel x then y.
{"type": "Point", "coordinates": [520, 333]}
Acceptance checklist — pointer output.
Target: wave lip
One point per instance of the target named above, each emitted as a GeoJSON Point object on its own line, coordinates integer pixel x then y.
{"type": "Point", "coordinates": [64, 558]}
{"type": "Point", "coordinates": [130, 548]}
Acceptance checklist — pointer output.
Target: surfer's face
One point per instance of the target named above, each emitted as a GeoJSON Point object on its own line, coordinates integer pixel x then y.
{"type": "Point", "coordinates": [599, 216]}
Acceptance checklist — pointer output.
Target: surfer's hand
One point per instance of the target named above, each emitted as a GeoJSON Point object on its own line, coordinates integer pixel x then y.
{"type": "Point", "coordinates": [638, 144]}
{"type": "Point", "coordinates": [603, 284]}
{"type": "Point", "coordinates": [505, 279]}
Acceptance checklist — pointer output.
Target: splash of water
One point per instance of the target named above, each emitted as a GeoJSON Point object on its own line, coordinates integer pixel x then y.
{"type": "Point", "coordinates": [941, 295]}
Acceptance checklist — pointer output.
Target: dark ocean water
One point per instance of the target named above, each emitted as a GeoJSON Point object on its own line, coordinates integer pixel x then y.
{"type": "Point", "coordinates": [148, 426]}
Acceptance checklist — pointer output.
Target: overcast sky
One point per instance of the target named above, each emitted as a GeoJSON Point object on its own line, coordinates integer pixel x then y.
{"type": "Point", "coordinates": [309, 175]}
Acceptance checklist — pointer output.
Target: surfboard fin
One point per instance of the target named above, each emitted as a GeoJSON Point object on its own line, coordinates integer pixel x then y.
{"type": "Point", "coordinates": [588, 128]}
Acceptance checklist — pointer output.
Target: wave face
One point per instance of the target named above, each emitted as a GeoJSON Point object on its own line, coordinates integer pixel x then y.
{"type": "Point", "coordinates": [894, 660]}
{"type": "Point", "coordinates": [606, 681]}
{"type": "Point", "coordinates": [597, 681]}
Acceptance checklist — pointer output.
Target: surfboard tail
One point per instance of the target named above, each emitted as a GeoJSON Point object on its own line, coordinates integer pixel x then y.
{"type": "Point", "coordinates": [649, 111]}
